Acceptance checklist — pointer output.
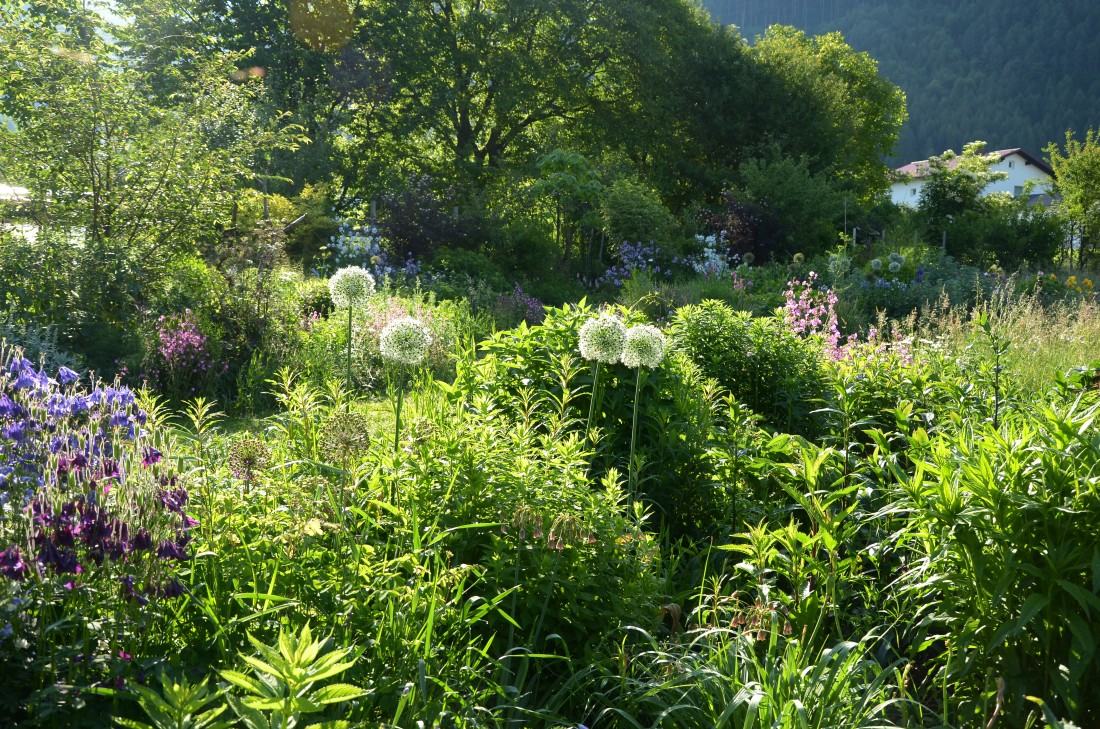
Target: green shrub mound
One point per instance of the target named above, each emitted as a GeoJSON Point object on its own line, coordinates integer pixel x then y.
{"type": "Point", "coordinates": [759, 361]}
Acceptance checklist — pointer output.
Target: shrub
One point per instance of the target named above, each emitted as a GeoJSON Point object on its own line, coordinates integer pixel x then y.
{"type": "Point", "coordinates": [1002, 541]}
{"type": "Point", "coordinates": [760, 361]}
{"type": "Point", "coordinates": [632, 211]}
{"type": "Point", "coordinates": [572, 551]}
{"type": "Point", "coordinates": [418, 219]}
{"type": "Point", "coordinates": [540, 367]}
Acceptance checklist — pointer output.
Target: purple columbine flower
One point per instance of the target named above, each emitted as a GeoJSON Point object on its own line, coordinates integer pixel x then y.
{"type": "Point", "coordinates": [26, 379]}
{"type": "Point", "coordinates": [18, 364]}
{"type": "Point", "coordinates": [152, 455]}
{"type": "Point", "coordinates": [12, 565]}
{"type": "Point", "coordinates": [129, 593]}
{"type": "Point", "coordinates": [62, 560]}
{"type": "Point", "coordinates": [66, 376]}
{"type": "Point", "coordinates": [142, 541]}
{"type": "Point", "coordinates": [8, 407]}
{"type": "Point", "coordinates": [172, 550]}
{"type": "Point", "coordinates": [172, 589]}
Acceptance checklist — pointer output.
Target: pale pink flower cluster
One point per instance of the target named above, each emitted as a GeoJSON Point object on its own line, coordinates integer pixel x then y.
{"type": "Point", "coordinates": [810, 312]}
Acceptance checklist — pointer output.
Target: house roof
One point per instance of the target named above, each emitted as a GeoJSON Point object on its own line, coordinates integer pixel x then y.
{"type": "Point", "coordinates": [917, 170]}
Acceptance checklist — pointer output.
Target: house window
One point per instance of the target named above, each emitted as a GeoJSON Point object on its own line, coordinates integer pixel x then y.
{"type": "Point", "coordinates": [1018, 190]}
{"type": "Point", "coordinates": [1011, 164]}
{"type": "Point", "coordinates": [913, 191]}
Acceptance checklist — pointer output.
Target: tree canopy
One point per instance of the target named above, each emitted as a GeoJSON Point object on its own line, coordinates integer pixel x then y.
{"type": "Point", "coordinates": [184, 103]}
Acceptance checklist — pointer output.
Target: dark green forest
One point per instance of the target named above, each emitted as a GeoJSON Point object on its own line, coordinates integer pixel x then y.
{"type": "Point", "coordinates": [1013, 73]}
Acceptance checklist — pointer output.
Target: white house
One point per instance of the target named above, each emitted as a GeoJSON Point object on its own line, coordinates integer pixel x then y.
{"type": "Point", "coordinates": [17, 195]}
{"type": "Point", "coordinates": [11, 197]}
{"type": "Point", "coordinates": [1020, 166]}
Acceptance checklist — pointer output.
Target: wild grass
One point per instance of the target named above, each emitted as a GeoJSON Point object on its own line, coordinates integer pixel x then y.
{"type": "Point", "coordinates": [1044, 339]}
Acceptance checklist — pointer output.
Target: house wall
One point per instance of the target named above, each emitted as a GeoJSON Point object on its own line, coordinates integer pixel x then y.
{"type": "Point", "coordinates": [1018, 169]}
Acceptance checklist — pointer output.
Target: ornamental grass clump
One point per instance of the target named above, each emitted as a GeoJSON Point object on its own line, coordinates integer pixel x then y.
{"type": "Point", "coordinates": [643, 348]}
{"type": "Point", "coordinates": [404, 344]}
{"type": "Point", "coordinates": [601, 342]}
{"type": "Point", "coordinates": [350, 287]}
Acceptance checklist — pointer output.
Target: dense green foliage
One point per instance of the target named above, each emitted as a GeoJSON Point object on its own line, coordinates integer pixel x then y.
{"type": "Point", "coordinates": [1077, 181]}
{"type": "Point", "coordinates": [868, 531]}
{"type": "Point", "coordinates": [970, 69]}
{"type": "Point", "coordinates": [780, 474]}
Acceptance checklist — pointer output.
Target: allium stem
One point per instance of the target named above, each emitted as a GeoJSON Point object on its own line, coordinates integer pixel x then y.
{"type": "Point", "coordinates": [592, 401]}
{"type": "Point", "coordinates": [349, 348]}
{"type": "Point", "coordinates": [397, 424]}
{"type": "Point", "coordinates": [632, 470]}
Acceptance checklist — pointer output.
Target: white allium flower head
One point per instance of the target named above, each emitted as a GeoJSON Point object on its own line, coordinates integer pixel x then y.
{"type": "Point", "coordinates": [405, 341]}
{"type": "Point", "coordinates": [602, 339]}
{"type": "Point", "coordinates": [894, 267]}
{"type": "Point", "coordinates": [351, 286]}
{"type": "Point", "coordinates": [645, 347]}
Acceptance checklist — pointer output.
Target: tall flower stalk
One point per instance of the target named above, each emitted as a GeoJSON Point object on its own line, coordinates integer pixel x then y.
{"type": "Point", "coordinates": [644, 348]}
{"type": "Point", "coordinates": [601, 342]}
{"type": "Point", "coordinates": [404, 343]}
{"type": "Point", "coordinates": [350, 287]}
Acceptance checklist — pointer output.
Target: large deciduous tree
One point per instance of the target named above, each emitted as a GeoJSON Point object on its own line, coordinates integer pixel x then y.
{"type": "Point", "coordinates": [306, 53]}
{"type": "Point", "coordinates": [472, 80]}
{"type": "Point", "coordinates": [827, 102]}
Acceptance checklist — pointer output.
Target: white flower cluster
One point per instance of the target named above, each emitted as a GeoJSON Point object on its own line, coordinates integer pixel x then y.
{"type": "Point", "coordinates": [405, 342]}
{"type": "Point", "coordinates": [711, 262]}
{"type": "Point", "coordinates": [351, 286]}
{"type": "Point", "coordinates": [602, 339]}
{"type": "Point", "coordinates": [644, 347]}
{"type": "Point", "coordinates": [355, 245]}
